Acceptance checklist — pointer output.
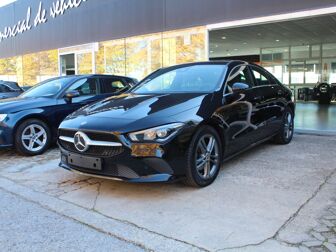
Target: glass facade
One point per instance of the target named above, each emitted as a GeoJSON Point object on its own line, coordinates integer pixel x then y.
{"type": "Point", "coordinates": [139, 56]}
{"type": "Point", "coordinates": [301, 66]}
{"type": "Point", "coordinates": [30, 69]}
{"type": "Point", "coordinates": [135, 57]}
{"type": "Point", "coordinates": [84, 63]}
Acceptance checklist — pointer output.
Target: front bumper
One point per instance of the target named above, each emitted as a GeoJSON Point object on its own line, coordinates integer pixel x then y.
{"type": "Point", "coordinates": [6, 136]}
{"type": "Point", "coordinates": [124, 167]}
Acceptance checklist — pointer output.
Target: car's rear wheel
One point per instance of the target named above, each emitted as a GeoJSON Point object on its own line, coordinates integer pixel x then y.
{"type": "Point", "coordinates": [204, 158]}
{"type": "Point", "coordinates": [32, 137]}
{"type": "Point", "coordinates": [286, 132]}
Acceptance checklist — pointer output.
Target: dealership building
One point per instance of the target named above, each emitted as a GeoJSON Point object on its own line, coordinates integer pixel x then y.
{"type": "Point", "coordinates": [294, 40]}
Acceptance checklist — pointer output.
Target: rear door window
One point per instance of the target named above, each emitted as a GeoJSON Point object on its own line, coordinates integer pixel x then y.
{"type": "Point", "coordinates": [112, 85]}
{"type": "Point", "coordinates": [261, 78]}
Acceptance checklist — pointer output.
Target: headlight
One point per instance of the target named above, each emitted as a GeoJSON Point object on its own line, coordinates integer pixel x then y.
{"type": "Point", "coordinates": [2, 117]}
{"type": "Point", "coordinates": [157, 134]}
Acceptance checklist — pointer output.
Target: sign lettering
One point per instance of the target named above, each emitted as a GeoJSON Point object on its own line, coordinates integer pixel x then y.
{"type": "Point", "coordinates": [57, 8]}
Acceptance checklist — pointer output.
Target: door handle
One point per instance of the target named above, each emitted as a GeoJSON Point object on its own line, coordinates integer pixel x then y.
{"type": "Point", "coordinates": [258, 98]}
{"type": "Point", "coordinates": [280, 92]}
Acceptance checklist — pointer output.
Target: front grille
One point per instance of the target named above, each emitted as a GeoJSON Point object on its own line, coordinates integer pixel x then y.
{"type": "Point", "coordinates": [114, 171]}
{"type": "Point", "coordinates": [97, 136]}
{"type": "Point", "coordinates": [97, 151]}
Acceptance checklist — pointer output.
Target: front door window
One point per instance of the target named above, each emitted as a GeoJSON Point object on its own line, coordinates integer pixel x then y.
{"type": "Point", "coordinates": [85, 87]}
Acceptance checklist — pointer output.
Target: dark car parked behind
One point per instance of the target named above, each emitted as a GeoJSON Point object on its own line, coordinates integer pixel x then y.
{"type": "Point", "coordinates": [29, 122]}
{"type": "Point", "coordinates": [180, 122]}
{"type": "Point", "coordinates": [9, 89]}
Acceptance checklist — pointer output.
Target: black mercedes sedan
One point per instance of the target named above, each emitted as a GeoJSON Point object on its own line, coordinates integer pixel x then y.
{"type": "Point", "coordinates": [30, 122]}
{"type": "Point", "coordinates": [180, 122]}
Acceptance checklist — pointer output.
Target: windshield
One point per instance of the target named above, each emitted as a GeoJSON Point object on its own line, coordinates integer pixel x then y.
{"type": "Point", "coordinates": [46, 88]}
{"type": "Point", "coordinates": [191, 79]}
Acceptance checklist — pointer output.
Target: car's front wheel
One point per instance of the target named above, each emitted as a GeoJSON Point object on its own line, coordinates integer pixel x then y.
{"type": "Point", "coordinates": [32, 137]}
{"type": "Point", "coordinates": [204, 158]}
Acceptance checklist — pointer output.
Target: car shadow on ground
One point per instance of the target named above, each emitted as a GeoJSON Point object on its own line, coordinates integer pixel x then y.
{"type": "Point", "coordinates": [9, 158]}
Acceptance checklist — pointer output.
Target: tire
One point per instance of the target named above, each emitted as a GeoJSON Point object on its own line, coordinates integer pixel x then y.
{"type": "Point", "coordinates": [209, 172]}
{"type": "Point", "coordinates": [286, 132]}
{"type": "Point", "coordinates": [32, 137]}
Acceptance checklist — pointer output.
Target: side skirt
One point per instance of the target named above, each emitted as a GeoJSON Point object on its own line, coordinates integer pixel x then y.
{"type": "Point", "coordinates": [248, 148]}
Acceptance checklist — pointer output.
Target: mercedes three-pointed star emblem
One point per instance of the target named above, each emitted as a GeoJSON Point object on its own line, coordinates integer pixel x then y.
{"type": "Point", "coordinates": [81, 141]}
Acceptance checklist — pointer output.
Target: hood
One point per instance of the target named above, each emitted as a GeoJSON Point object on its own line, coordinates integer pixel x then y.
{"type": "Point", "coordinates": [134, 107]}
{"type": "Point", "coordinates": [127, 112]}
{"type": "Point", "coordinates": [17, 104]}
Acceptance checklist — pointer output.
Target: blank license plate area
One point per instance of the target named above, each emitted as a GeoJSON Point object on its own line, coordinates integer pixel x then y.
{"type": "Point", "coordinates": [85, 162]}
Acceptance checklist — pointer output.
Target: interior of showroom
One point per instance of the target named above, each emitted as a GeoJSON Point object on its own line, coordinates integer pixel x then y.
{"type": "Point", "coordinates": [301, 53]}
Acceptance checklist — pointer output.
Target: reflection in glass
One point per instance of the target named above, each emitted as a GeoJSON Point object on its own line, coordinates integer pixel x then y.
{"type": "Point", "coordinates": [10, 68]}
{"type": "Point", "coordinates": [191, 79]}
{"type": "Point", "coordinates": [31, 69]}
{"type": "Point", "coordinates": [115, 57]}
{"type": "Point", "coordinates": [184, 46]}
{"type": "Point", "coordinates": [84, 63]}
{"type": "Point", "coordinates": [47, 88]}
{"type": "Point", "coordinates": [141, 55]}
{"type": "Point", "coordinates": [48, 65]}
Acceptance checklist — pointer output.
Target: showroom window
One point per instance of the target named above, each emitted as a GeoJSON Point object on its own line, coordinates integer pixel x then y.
{"type": "Point", "coordinates": [84, 63]}
{"type": "Point", "coordinates": [30, 69]}
{"type": "Point", "coordinates": [111, 57]}
{"type": "Point", "coordinates": [10, 68]}
{"type": "Point", "coordinates": [136, 57]}
{"type": "Point", "coordinates": [276, 61]}
{"type": "Point", "coordinates": [141, 55]}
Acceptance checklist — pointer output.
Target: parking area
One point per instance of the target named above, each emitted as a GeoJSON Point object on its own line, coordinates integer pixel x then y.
{"type": "Point", "coordinates": [279, 197]}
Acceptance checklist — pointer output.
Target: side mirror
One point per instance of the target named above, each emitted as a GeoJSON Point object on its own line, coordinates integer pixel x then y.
{"type": "Point", "coordinates": [239, 86]}
{"type": "Point", "coordinates": [70, 95]}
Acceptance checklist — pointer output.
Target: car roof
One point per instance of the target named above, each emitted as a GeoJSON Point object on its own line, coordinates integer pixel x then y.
{"type": "Point", "coordinates": [98, 75]}
{"type": "Point", "coordinates": [220, 62]}
{"type": "Point", "coordinates": [11, 84]}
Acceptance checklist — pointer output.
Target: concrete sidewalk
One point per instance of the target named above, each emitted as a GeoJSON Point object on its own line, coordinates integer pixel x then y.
{"type": "Point", "coordinates": [26, 226]}
{"type": "Point", "coordinates": [273, 198]}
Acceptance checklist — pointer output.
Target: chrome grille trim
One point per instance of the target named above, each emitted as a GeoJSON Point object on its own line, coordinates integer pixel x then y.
{"type": "Point", "coordinates": [91, 142]}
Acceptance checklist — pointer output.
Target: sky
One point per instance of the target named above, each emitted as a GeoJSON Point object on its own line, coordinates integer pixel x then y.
{"type": "Point", "coordinates": [5, 2]}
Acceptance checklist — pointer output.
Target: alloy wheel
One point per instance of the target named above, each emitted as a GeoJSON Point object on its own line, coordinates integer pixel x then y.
{"type": "Point", "coordinates": [207, 156]}
{"type": "Point", "coordinates": [288, 126]}
{"type": "Point", "coordinates": [34, 138]}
